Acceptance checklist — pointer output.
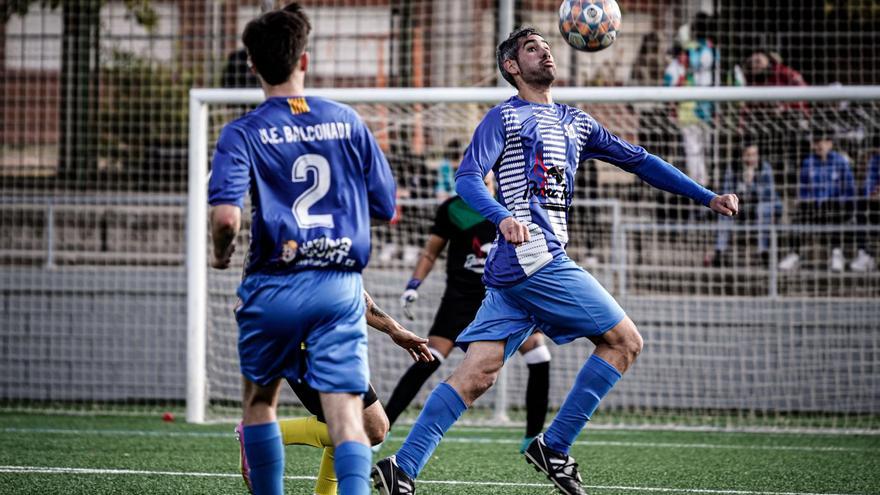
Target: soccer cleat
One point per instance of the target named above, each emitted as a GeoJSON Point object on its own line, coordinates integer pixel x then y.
{"type": "Point", "coordinates": [790, 262]}
{"type": "Point", "coordinates": [389, 479]}
{"type": "Point", "coordinates": [837, 261]}
{"type": "Point", "coordinates": [864, 262]}
{"type": "Point", "coordinates": [243, 463]}
{"type": "Point", "coordinates": [559, 468]}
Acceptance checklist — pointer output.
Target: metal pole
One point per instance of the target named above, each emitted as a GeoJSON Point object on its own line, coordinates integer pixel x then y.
{"type": "Point", "coordinates": [773, 289]}
{"type": "Point", "coordinates": [197, 263]}
{"type": "Point", "coordinates": [50, 235]}
{"type": "Point", "coordinates": [505, 26]}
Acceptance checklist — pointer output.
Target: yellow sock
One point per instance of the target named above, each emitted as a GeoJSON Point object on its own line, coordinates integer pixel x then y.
{"type": "Point", "coordinates": [305, 431]}
{"type": "Point", "coordinates": [326, 484]}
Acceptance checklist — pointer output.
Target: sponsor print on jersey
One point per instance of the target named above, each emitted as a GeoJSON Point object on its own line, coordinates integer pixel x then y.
{"type": "Point", "coordinates": [547, 183]}
{"type": "Point", "coordinates": [551, 156]}
{"type": "Point", "coordinates": [322, 251]}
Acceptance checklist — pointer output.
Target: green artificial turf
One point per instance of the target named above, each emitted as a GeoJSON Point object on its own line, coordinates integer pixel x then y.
{"type": "Point", "coordinates": [146, 455]}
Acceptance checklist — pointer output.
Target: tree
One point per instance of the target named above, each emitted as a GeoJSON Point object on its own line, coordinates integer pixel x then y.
{"type": "Point", "coordinates": [80, 75]}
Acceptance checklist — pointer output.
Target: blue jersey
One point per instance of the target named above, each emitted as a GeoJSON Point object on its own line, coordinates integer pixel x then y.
{"type": "Point", "coordinates": [828, 179]}
{"type": "Point", "coordinates": [872, 181]}
{"type": "Point", "coordinates": [316, 176]}
{"type": "Point", "coordinates": [534, 151]}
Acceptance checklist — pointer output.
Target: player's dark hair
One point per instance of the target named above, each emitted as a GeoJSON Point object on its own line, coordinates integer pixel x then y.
{"type": "Point", "coordinates": [509, 48]}
{"type": "Point", "coordinates": [275, 41]}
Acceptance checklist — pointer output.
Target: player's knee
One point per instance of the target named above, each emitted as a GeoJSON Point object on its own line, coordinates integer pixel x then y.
{"type": "Point", "coordinates": [633, 344]}
{"type": "Point", "coordinates": [377, 428]}
{"type": "Point", "coordinates": [484, 379]}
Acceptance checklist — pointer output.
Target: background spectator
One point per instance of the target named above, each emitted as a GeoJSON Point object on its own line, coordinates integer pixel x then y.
{"type": "Point", "coordinates": [445, 186]}
{"type": "Point", "coordinates": [693, 64]}
{"type": "Point", "coordinates": [868, 214]}
{"type": "Point", "coordinates": [781, 124]}
{"type": "Point", "coordinates": [751, 178]}
{"type": "Point", "coordinates": [236, 73]}
{"type": "Point", "coordinates": [825, 196]}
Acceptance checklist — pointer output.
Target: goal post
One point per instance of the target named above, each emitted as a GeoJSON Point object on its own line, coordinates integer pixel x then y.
{"type": "Point", "coordinates": [634, 243]}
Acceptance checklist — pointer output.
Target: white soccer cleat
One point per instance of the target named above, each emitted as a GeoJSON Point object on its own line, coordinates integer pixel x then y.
{"type": "Point", "coordinates": [863, 262]}
{"type": "Point", "coordinates": [790, 262]}
{"type": "Point", "coordinates": [837, 262]}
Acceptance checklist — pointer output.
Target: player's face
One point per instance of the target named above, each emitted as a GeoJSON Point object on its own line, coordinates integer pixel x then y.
{"type": "Point", "coordinates": [535, 61]}
{"type": "Point", "coordinates": [822, 146]}
{"type": "Point", "coordinates": [750, 156]}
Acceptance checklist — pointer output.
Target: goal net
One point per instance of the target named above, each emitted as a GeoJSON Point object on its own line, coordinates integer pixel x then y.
{"type": "Point", "coordinates": [735, 333]}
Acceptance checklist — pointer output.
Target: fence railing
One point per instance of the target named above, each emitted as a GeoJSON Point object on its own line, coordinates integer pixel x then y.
{"type": "Point", "coordinates": [618, 245]}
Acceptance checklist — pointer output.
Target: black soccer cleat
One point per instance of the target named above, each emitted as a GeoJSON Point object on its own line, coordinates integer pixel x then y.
{"type": "Point", "coordinates": [389, 479]}
{"type": "Point", "coordinates": [559, 468]}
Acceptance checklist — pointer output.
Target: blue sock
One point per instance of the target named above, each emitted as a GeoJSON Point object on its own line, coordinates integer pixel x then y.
{"type": "Point", "coordinates": [593, 382]}
{"type": "Point", "coordinates": [442, 409]}
{"type": "Point", "coordinates": [352, 462]}
{"type": "Point", "coordinates": [265, 456]}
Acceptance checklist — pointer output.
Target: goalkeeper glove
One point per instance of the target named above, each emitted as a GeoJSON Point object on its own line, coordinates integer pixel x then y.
{"type": "Point", "coordinates": [410, 296]}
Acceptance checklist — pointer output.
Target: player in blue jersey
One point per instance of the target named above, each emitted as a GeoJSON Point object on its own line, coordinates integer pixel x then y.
{"type": "Point", "coordinates": [533, 146]}
{"type": "Point", "coordinates": [316, 177]}
{"type": "Point", "coordinates": [470, 237]}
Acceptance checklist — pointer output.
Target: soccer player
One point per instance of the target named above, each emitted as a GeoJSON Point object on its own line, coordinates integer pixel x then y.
{"type": "Point", "coordinates": [312, 430]}
{"type": "Point", "coordinates": [533, 147]}
{"type": "Point", "coordinates": [316, 177]}
{"type": "Point", "coordinates": [469, 236]}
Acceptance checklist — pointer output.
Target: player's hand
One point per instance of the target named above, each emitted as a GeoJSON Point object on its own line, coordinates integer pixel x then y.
{"type": "Point", "coordinates": [407, 300]}
{"type": "Point", "coordinates": [514, 231]}
{"type": "Point", "coordinates": [725, 204]}
{"type": "Point", "coordinates": [416, 346]}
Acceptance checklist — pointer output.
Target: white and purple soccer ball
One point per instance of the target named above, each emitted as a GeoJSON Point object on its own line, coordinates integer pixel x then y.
{"type": "Point", "coordinates": [589, 25]}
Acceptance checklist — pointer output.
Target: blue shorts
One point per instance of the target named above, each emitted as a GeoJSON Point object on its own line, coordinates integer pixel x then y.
{"type": "Point", "coordinates": [319, 310]}
{"type": "Point", "coordinates": [561, 299]}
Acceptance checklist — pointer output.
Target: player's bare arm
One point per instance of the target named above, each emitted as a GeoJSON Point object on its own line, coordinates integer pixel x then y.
{"type": "Point", "coordinates": [428, 257]}
{"type": "Point", "coordinates": [381, 321]}
{"type": "Point", "coordinates": [225, 224]}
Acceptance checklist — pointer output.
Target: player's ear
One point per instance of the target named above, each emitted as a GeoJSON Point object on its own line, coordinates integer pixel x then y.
{"type": "Point", "coordinates": [511, 67]}
{"type": "Point", "coordinates": [303, 63]}
{"type": "Point", "coordinates": [250, 65]}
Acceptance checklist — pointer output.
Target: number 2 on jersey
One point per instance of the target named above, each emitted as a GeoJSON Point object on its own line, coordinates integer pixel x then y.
{"type": "Point", "coordinates": [321, 168]}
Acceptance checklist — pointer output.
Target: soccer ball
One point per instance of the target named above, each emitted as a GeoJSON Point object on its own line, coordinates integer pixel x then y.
{"type": "Point", "coordinates": [589, 25]}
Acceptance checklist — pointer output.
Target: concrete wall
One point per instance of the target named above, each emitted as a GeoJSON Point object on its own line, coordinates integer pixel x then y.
{"type": "Point", "coordinates": [120, 334]}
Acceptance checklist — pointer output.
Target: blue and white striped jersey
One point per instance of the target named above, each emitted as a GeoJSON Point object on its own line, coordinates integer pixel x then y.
{"type": "Point", "coordinates": [316, 176]}
{"type": "Point", "coordinates": [534, 151]}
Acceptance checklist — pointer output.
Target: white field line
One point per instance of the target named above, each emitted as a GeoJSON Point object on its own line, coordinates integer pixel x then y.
{"type": "Point", "coordinates": [466, 440]}
{"type": "Point", "coordinates": [782, 430]}
{"type": "Point", "coordinates": [133, 472]}
{"type": "Point", "coordinates": [492, 425]}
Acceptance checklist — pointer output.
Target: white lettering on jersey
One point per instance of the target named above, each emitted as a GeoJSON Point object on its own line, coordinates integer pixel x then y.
{"type": "Point", "coordinates": [294, 134]}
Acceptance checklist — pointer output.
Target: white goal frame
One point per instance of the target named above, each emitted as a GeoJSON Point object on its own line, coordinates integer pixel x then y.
{"type": "Point", "coordinates": [197, 207]}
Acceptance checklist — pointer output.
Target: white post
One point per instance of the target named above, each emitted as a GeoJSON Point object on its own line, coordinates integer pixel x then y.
{"type": "Point", "coordinates": [196, 263]}
{"type": "Point", "coordinates": [505, 26]}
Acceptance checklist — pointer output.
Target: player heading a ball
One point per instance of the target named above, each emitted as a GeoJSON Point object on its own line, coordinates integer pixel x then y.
{"type": "Point", "coordinates": [589, 25]}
